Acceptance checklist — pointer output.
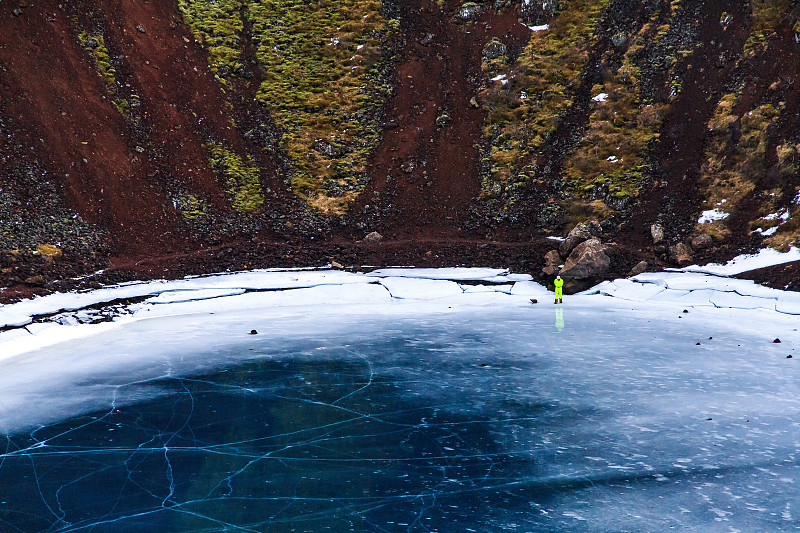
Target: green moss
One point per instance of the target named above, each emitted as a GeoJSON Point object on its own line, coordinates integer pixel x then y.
{"type": "Point", "coordinates": [242, 180]}
{"type": "Point", "coordinates": [321, 83]}
{"type": "Point", "coordinates": [611, 163]}
{"type": "Point", "coordinates": [95, 46]}
{"type": "Point", "coordinates": [218, 25]}
{"type": "Point", "coordinates": [319, 87]}
{"type": "Point", "coordinates": [612, 156]}
{"type": "Point", "coordinates": [737, 151]}
{"type": "Point", "coordinates": [192, 207]}
{"type": "Point", "coordinates": [765, 16]}
{"type": "Point", "coordinates": [524, 112]}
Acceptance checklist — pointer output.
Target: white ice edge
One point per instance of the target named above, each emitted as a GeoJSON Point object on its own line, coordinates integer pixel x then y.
{"type": "Point", "coordinates": [414, 290]}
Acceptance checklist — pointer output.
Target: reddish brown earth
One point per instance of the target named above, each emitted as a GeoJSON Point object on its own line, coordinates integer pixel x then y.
{"type": "Point", "coordinates": [429, 172]}
{"type": "Point", "coordinates": [119, 173]}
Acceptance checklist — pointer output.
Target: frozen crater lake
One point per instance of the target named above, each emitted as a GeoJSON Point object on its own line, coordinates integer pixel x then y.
{"type": "Point", "coordinates": [402, 400]}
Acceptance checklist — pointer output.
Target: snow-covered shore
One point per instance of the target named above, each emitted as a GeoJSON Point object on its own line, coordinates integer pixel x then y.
{"type": "Point", "coordinates": [34, 324]}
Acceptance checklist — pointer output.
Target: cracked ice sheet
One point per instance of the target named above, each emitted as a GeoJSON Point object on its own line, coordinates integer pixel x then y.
{"type": "Point", "coordinates": [409, 416]}
{"type": "Point", "coordinates": [20, 313]}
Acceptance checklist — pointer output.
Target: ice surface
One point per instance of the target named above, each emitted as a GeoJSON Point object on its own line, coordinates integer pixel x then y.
{"type": "Point", "coordinates": [457, 406]}
{"type": "Point", "coordinates": [193, 295]}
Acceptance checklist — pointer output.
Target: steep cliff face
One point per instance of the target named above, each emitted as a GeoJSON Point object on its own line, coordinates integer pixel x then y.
{"type": "Point", "coordinates": [141, 131]}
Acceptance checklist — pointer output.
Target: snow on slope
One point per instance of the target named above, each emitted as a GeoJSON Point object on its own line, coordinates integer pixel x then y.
{"type": "Point", "coordinates": [746, 262]}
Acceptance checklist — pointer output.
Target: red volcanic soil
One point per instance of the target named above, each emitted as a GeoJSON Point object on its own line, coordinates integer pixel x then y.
{"type": "Point", "coordinates": [51, 88]}
{"type": "Point", "coordinates": [428, 164]}
{"type": "Point", "coordinates": [55, 94]}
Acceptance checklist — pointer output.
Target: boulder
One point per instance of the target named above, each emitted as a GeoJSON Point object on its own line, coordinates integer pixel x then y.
{"type": "Point", "coordinates": [468, 12]}
{"type": "Point", "coordinates": [373, 237]}
{"type": "Point", "coordinates": [657, 232]}
{"type": "Point", "coordinates": [585, 266]}
{"type": "Point", "coordinates": [639, 268]}
{"type": "Point", "coordinates": [580, 233]}
{"type": "Point", "coordinates": [552, 262]}
{"type": "Point", "coordinates": [680, 254]}
{"type": "Point", "coordinates": [701, 242]}
{"type": "Point", "coordinates": [494, 50]}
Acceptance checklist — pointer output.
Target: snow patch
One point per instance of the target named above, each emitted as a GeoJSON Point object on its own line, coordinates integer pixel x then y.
{"type": "Point", "coordinates": [743, 263]}
{"type": "Point", "coordinates": [542, 27]}
{"type": "Point", "coordinates": [711, 215]}
{"type": "Point", "coordinates": [602, 97]}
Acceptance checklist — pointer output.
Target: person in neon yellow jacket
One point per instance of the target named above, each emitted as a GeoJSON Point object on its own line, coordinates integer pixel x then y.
{"type": "Point", "coordinates": [559, 283]}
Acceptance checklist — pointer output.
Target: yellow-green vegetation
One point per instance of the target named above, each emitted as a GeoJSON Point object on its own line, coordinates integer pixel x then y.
{"type": "Point", "coordinates": [766, 14]}
{"type": "Point", "coordinates": [49, 251]}
{"type": "Point", "coordinates": [613, 150]}
{"type": "Point", "coordinates": [218, 25]}
{"type": "Point", "coordinates": [788, 155]}
{"type": "Point", "coordinates": [540, 88]}
{"type": "Point", "coordinates": [321, 87]}
{"type": "Point", "coordinates": [192, 207]}
{"type": "Point", "coordinates": [736, 154]}
{"type": "Point", "coordinates": [612, 154]}
{"type": "Point", "coordinates": [318, 59]}
{"type": "Point", "coordinates": [242, 180]}
{"type": "Point", "coordinates": [95, 46]}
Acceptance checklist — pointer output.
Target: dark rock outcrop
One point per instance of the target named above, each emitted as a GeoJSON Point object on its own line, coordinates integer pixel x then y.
{"type": "Point", "coordinates": [552, 262]}
{"type": "Point", "coordinates": [657, 232]}
{"type": "Point", "coordinates": [639, 268]}
{"type": "Point", "coordinates": [580, 233]}
{"type": "Point", "coordinates": [681, 254]}
{"type": "Point", "coordinates": [585, 266]}
{"type": "Point", "coordinates": [701, 242]}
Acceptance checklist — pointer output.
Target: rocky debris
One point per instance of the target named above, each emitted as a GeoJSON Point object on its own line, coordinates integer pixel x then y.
{"type": "Point", "coordinates": [427, 39]}
{"type": "Point", "coordinates": [470, 11]}
{"type": "Point", "coordinates": [619, 39]}
{"type": "Point", "coordinates": [253, 332]}
{"type": "Point", "coordinates": [580, 233]}
{"type": "Point", "coordinates": [776, 341]}
{"type": "Point", "coordinates": [141, 29]}
{"type": "Point", "coordinates": [539, 11]}
{"type": "Point", "coordinates": [639, 268]}
{"type": "Point", "coordinates": [657, 232]}
{"type": "Point", "coordinates": [552, 262]}
{"type": "Point", "coordinates": [474, 102]}
{"type": "Point", "coordinates": [373, 237]}
{"type": "Point", "coordinates": [494, 50]}
{"type": "Point", "coordinates": [8, 258]}
{"type": "Point", "coordinates": [36, 281]}
{"type": "Point", "coordinates": [701, 242]}
{"type": "Point", "coordinates": [681, 254]}
{"type": "Point", "coordinates": [585, 266]}
{"type": "Point", "coordinates": [442, 120]}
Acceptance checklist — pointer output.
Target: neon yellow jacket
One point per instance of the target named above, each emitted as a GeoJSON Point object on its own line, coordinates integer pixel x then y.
{"type": "Point", "coordinates": [558, 283]}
